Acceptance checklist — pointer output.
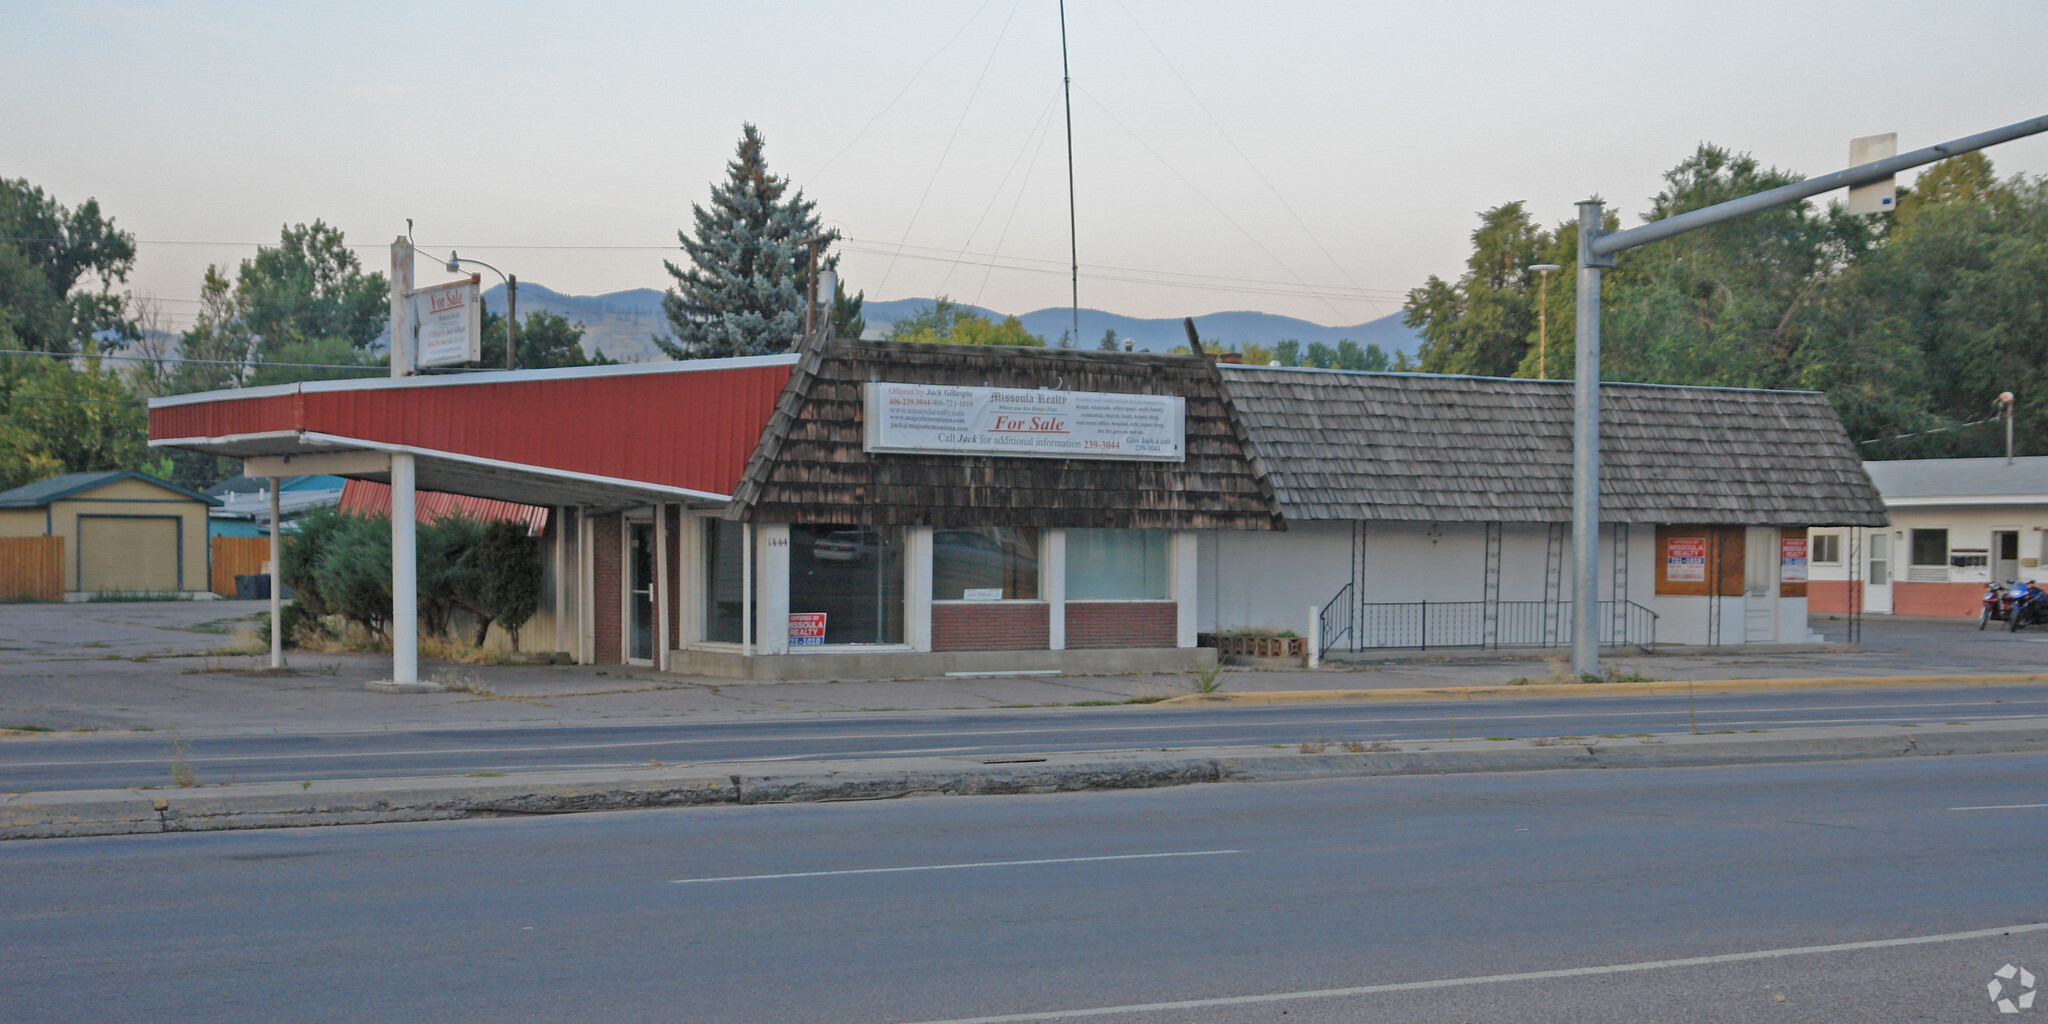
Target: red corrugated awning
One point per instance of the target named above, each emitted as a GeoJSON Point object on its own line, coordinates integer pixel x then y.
{"type": "Point", "coordinates": [600, 436]}
{"type": "Point", "coordinates": [367, 497]}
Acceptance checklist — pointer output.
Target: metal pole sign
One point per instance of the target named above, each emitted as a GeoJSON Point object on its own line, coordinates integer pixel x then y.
{"type": "Point", "coordinates": [1597, 250]}
{"type": "Point", "coordinates": [447, 323]}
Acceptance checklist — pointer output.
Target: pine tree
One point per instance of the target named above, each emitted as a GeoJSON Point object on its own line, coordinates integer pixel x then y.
{"type": "Point", "coordinates": [743, 293]}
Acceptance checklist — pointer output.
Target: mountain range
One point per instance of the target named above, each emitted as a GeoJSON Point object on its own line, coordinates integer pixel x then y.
{"type": "Point", "coordinates": [622, 324]}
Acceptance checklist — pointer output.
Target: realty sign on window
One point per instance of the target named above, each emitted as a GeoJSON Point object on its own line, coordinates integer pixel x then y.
{"type": "Point", "coordinates": [1792, 560]}
{"type": "Point", "coordinates": [806, 629]}
{"type": "Point", "coordinates": [939, 419]}
{"type": "Point", "coordinates": [1685, 560]}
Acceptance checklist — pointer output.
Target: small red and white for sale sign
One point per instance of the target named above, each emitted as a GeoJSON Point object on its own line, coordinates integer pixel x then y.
{"type": "Point", "coordinates": [1685, 560]}
{"type": "Point", "coordinates": [806, 629]}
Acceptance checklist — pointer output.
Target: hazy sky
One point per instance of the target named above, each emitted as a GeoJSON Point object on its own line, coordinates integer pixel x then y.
{"type": "Point", "coordinates": [1313, 159]}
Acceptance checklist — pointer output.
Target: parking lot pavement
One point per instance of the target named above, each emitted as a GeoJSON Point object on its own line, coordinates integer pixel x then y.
{"type": "Point", "coordinates": [186, 666]}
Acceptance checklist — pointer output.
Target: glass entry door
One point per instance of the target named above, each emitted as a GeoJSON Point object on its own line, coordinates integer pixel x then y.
{"type": "Point", "coordinates": [640, 591]}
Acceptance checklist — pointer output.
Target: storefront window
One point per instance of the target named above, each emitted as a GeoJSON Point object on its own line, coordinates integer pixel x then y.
{"type": "Point", "coordinates": [845, 585]}
{"type": "Point", "coordinates": [1116, 565]}
{"type": "Point", "coordinates": [724, 584]}
{"type": "Point", "coordinates": [984, 563]}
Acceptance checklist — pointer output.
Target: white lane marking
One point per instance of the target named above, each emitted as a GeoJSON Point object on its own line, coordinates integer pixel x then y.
{"type": "Point", "coordinates": [956, 867]}
{"type": "Point", "coordinates": [1999, 807]}
{"type": "Point", "coordinates": [1494, 979]}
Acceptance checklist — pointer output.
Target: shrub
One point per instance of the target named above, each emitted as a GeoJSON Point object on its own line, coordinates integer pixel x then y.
{"type": "Point", "coordinates": [508, 563]}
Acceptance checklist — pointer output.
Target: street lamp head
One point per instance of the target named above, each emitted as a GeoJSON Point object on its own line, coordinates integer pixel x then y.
{"type": "Point", "coordinates": [1545, 267]}
{"type": "Point", "coordinates": [454, 262]}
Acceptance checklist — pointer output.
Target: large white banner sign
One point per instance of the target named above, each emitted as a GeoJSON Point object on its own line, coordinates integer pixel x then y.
{"type": "Point", "coordinates": [446, 320]}
{"type": "Point", "coordinates": [938, 419]}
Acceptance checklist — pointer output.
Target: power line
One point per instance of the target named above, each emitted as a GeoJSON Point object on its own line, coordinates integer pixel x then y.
{"type": "Point", "coordinates": [905, 91]}
{"type": "Point", "coordinates": [250, 363]}
{"type": "Point", "coordinates": [1147, 147]}
{"type": "Point", "coordinates": [1936, 430]}
{"type": "Point", "coordinates": [1239, 150]}
{"type": "Point", "coordinates": [989, 62]}
{"type": "Point", "coordinates": [995, 195]}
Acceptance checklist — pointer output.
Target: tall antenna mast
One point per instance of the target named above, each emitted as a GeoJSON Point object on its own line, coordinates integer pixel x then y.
{"type": "Point", "coordinates": [1073, 243]}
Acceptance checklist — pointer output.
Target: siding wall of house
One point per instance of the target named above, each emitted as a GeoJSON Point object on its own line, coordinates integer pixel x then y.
{"type": "Point", "coordinates": [607, 588]}
{"type": "Point", "coordinates": [1949, 592]}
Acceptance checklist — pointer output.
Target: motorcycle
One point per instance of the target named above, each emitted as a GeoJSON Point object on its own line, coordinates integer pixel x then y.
{"type": "Point", "coordinates": [1998, 602]}
{"type": "Point", "coordinates": [2029, 606]}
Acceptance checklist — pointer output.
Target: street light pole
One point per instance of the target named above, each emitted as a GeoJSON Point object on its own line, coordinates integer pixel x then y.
{"type": "Point", "coordinates": [1543, 320]}
{"type": "Point", "coordinates": [511, 304]}
{"type": "Point", "coordinates": [1597, 251]}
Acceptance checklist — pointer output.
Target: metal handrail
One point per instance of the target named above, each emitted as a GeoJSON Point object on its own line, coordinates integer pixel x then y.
{"type": "Point", "coordinates": [1327, 621]}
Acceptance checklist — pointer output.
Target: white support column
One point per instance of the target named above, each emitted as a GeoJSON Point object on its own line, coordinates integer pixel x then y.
{"type": "Point", "coordinates": [771, 588]}
{"type": "Point", "coordinates": [276, 586]}
{"type": "Point", "coordinates": [748, 627]}
{"type": "Point", "coordinates": [661, 644]}
{"type": "Point", "coordinates": [561, 578]}
{"type": "Point", "coordinates": [1181, 562]}
{"type": "Point", "coordinates": [405, 585]}
{"type": "Point", "coordinates": [1052, 586]}
{"type": "Point", "coordinates": [586, 593]}
{"type": "Point", "coordinates": [917, 588]}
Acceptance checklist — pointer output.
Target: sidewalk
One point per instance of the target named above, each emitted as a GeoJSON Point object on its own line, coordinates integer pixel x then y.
{"type": "Point", "coordinates": [46, 815]}
{"type": "Point", "coordinates": [148, 666]}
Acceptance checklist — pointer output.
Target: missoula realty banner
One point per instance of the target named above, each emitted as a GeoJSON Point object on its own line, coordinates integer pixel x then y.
{"type": "Point", "coordinates": [939, 419]}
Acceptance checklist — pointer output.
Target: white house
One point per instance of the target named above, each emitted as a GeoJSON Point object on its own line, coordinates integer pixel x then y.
{"type": "Point", "coordinates": [1956, 524]}
{"type": "Point", "coordinates": [1427, 510]}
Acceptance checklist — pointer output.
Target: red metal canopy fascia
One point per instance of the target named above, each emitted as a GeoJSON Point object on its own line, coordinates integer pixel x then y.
{"type": "Point", "coordinates": [687, 425]}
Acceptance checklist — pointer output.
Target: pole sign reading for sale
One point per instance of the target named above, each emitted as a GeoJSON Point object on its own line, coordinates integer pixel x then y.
{"type": "Point", "coordinates": [1685, 560]}
{"type": "Point", "coordinates": [446, 322]}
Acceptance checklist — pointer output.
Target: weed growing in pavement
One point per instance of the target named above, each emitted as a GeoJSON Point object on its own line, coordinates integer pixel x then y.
{"type": "Point", "coordinates": [332, 668]}
{"type": "Point", "coordinates": [1314, 746]}
{"type": "Point", "coordinates": [308, 784]}
{"type": "Point", "coordinates": [1094, 703]}
{"type": "Point", "coordinates": [1206, 679]}
{"type": "Point", "coordinates": [1955, 723]}
{"type": "Point", "coordinates": [181, 770]}
{"type": "Point", "coordinates": [462, 682]}
{"type": "Point", "coordinates": [1375, 747]}
{"type": "Point", "coordinates": [1691, 718]}
{"type": "Point", "coordinates": [1543, 741]}
{"type": "Point", "coordinates": [26, 728]}
{"type": "Point", "coordinates": [1500, 739]}
{"type": "Point", "coordinates": [483, 775]}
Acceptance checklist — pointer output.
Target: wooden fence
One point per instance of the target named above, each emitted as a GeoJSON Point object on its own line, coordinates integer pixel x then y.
{"type": "Point", "coordinates": [237, 556]}
{"type": "Point", "coordinates": [31, 568]}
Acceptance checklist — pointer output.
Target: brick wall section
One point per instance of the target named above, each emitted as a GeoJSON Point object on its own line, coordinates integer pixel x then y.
{"type": "Point", "coordinates": [1122, 624]}
{"type": "Point", "coordinates": [607, 586]}
{"type": "Point", "coordinates": [991, 626]}
{"type": "Point", "coordinates": [672, 525]}
{"type": "Point", "coordinates": [1945, 600]}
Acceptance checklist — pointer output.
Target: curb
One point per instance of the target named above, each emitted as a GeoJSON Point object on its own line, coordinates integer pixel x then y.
{"type": "Point", "coordinates": [1661, 686]}
{"type": "Point", "coordinates": [355, 802]}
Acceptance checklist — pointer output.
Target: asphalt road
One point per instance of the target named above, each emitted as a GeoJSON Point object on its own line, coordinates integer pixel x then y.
{"type": "Point", "coordinates": [141, 759]}
{"type": "Point", "coordinates": [1857, 891]}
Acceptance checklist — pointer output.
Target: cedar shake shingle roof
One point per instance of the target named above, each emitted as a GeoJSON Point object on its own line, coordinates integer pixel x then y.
{"type": "Point", "coordinates": [1416, 447]}
{"type": "Point", "coordinates": [811, 465]}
